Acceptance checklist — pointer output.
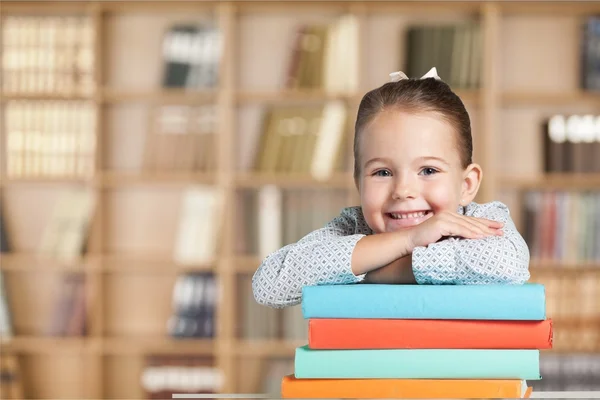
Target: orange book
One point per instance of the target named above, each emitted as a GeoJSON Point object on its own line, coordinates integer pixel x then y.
{"type": "Point", "coordinates": [403, 388]}
{"type": "Point", "coordinates": [325, 333]}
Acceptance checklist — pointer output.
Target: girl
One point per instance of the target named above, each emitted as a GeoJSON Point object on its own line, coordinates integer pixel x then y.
{"type": "Point", "coordinates": [417, 222]}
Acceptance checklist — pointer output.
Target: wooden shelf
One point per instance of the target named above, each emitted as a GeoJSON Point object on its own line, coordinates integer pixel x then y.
{"type": "Point", "coordinates": [564, 181]}
{"type": "Point", "coordinates": [156, 345]}
{"type": "Point", "coordinates": [163, 96]}
{"type": "Point", "coordinates": [125, 264]}
{"type": "Point", "coordinates": [48, 181]}
{"type": "Point", "coordinates": [268, 348]}
{"type": "Point", "coordinates": [303, 181]}
{"type": "Point", "coordinates": [44, 345]}
{"type": "Point", "coordinates": [31, 262]}
{"type": "Point", "coordinates": [4, 97]}
{"type": "Point", "coordinates": [125, 286]}
{"type": "Point", "coordinates": [564, 267]}
{"type": "Point", "coordinates": [286, 95]}
{"type": "Point", "coordinates": [551, 99]}
{"type": "Point", "coordinates": [111, 179]}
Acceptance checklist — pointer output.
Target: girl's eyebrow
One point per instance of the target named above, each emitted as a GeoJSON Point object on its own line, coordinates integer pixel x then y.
{"type": "Point", "coordinates": [378, 159]}
{"type": "Point", "coordinates": [426, 158]}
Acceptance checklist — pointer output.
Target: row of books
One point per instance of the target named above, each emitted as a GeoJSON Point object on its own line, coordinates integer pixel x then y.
{"type": "Point", "coordinates": [192, 54]}
{"type": "Point", "coordinates": [406, 341]}
{"type": "Point", "coordinates": [69, 311]}
{"type": "Point", "coordinates": [195, 298]}
{"type": "Point", "coordinates": [48, 54]}
{"type": "Point", "coordinates": [272, 217]}
{"type": "Point", "coordinates": [562, 226]}
{"type": "Point", "coordinates": [572, 143]}
{"type": "Point", "coordinates": [455, 49]}
{"type": "Point", "coordinates": [302, 140]}
{"type": "Point", "coordinates": [182, 138]}
{"type": "Point", "coordinates": [66, 234]}
{"type": "Point", "coordinates": [69, 316]}
{"type": "Point", "coordinates": [50, 138]}
{"type": "Point", "coordinates": [572, 296]}
{"type": "Point", "coordinates": [569, 372]}
{"type": "Point", "coordinates": [166, 374]}
{"type": "Point", "coordinates": [591, 54]}
{"type": "Point", "coordinates": [325, 56]}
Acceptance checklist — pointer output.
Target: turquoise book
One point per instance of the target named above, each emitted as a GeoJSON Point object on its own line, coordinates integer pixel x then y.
{"type": "Point", "coordinates": [481, 302]}
{"type": "Point", "coordinates": [416, 364]}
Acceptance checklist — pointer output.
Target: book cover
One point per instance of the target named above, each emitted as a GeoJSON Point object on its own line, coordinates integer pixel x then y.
{"type": "Point", "coordinates": [485, 302]}
{"type": "Point", "coordinates": [417, 364]}
{"type": "Point", "coordinates": [403, 388]}
{"type": "Point", "coordinates": [325, 333]}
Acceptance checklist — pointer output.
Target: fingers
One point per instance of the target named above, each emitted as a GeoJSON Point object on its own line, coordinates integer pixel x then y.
{"type": "Point", "coordinates": [489, 226]}
{"type": "Point", "coordinates": [474, 228]}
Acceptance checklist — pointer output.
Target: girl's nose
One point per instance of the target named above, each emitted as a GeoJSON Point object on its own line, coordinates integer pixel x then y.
{"type": "Point", "coordinates": [404, 188]}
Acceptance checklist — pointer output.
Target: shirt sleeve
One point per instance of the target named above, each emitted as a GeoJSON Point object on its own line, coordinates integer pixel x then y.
{"type": "Point", "coordinates": [321, 257]}
{"type": "Point", "coordinates": [494, 259]}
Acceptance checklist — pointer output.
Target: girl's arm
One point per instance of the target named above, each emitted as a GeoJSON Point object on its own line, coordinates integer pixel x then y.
{"type": "Point", "coordinates": [326, 256]}
{"type": "Point", "coordinates": [493, 259]}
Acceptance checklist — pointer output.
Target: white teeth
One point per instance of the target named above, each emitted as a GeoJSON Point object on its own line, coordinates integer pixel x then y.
{"type": "Point", "coordinates": [408, 215]}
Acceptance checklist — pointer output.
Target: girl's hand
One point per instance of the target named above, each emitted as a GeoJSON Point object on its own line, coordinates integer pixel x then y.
{"type": "Point", "coordinates": [452, 224]}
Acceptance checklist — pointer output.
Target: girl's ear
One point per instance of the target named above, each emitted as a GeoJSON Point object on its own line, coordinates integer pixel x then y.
{"type": "Point", "coordinates": [471, 181]}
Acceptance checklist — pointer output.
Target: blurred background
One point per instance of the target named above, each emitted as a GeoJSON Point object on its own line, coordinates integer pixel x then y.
{"type": "Point", "coordinates": [153, 152]}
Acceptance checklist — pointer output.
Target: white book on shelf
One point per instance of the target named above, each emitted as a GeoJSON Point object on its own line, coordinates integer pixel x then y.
{"type": "Point", "coordinates": [269, 220]}
{"type": "Point", "coordinates": [329, 140]}
{"type": "Point", "coordinates": [6, 329]}
{"type": "Point", "coordinates": [199, 225]}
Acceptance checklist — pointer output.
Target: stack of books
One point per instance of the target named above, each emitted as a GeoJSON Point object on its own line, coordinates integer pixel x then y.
{"type": "Point", "coordinates": [420, 341]}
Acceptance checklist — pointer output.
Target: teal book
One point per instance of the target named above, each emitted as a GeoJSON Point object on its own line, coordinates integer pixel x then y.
{"type": "Point", "coordinates": [482, 302]}
{"type": "Point", "coordinates": [417, 364]}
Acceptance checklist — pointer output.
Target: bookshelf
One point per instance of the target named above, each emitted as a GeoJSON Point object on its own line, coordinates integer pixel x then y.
{"type": "Point", "coordinates": [129, 265]}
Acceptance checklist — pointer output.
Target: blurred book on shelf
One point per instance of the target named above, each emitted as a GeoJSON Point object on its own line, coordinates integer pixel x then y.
{"type": "Point", "coordinates": [200, 220]}
{"type": "Point", "coordinates": [165, 374]}
{"type": "Point", "coordinates": [69, 313]}
{"type": "Point", "coordinates": [562, 227]}
{"type": "Point", "coordinates": [195, 297]}
{"type": "Point", "coordinates": [590, 54]}
{"type": "Point", "coordinates": [325, 56]}
{"type": "Point", "coordinates": [258, 322]}
{"type": "Point", "coordinates": [572, 303]}
{"type": "Point", "coordinates": [48, 55]}
{"type": "Point", "coordinates": [272, 217]}
{"type": "Point", "coordinates": [11, 381]}
{"type": "Point", "coordinates": [66, 234]}
{"type": "Point", "coordinates": [303, 140]}
{"type": "Point", "coordinates": [455, 49]}
{"type": "Point", "coordinates": [572, 143]}
{"type": "Point", "coordinates": [4, 240]}
{"type": "Point", "coordinates": [568, 372]}
{"type": "Point", "coordinates": [6, 327]}
{"type": "Point", "coordinates": [192, 54]}
{"type": "Point", "coordinates": [181, 138]}
{"type": "Point", "coordinates": [50, 139]}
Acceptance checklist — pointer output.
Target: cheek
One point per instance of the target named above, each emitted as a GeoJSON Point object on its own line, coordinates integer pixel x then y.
{"type": "Point", "coordinates": [442, 196]}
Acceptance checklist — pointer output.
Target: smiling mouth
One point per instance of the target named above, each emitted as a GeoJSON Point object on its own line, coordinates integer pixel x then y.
{"type": "Point", "coordinates": [409, 215]}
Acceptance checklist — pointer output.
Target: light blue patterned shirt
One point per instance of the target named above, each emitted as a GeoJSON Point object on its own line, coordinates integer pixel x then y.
{"type": "Point", "coordinates": [324, 257]}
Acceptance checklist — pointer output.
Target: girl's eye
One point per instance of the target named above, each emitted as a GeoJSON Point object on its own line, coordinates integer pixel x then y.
{"type": "Point", "coordinates": [382, 172]}
{"type": "Point", "coordinates": [428, 171]}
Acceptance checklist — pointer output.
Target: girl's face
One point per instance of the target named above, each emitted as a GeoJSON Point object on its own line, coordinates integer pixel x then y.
{"type": "Point", "coordinates": [411, 170]}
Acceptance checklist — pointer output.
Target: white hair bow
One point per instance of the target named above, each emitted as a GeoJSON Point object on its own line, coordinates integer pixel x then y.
{"type": "Point", "coordinates": [398, 76]}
